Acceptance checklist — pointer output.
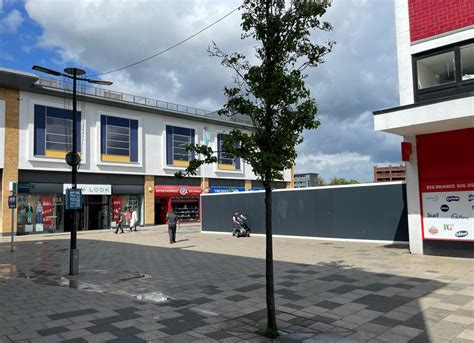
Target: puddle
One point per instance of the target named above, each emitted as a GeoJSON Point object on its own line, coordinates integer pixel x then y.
{"type": "Point", "coordinates": [156, 297]}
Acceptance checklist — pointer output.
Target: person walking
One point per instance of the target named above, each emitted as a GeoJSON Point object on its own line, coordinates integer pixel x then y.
{"type": "Point", "coordinates": [173, 220]}
{"type": "Point", "coordinates": [134, 220]}
{"type": "Point", "coordinates": [120, 222]}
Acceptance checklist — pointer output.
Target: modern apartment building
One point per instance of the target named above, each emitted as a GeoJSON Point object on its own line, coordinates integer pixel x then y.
{"type": "Point", "coordinates": [130, 148]}
{"type": "Point", "coordinates": [306, 180]}
{"type": "Point", "coordinates": [389, 173]}
{"type": "Point", "coordinates": [435, 48]}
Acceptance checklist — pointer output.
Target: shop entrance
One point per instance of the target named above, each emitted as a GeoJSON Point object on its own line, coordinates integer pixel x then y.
{"type": "Point", "coordinates": [68, 216]}
{"type": "Point", "coordinates": [96, 212]}
{"type": "Point", "coordinates": [161, 208]}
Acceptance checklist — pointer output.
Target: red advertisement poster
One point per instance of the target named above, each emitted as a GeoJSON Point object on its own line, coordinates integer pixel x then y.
{"type": "Point", "coordinates": [47, 204]}
{"type": "Point", "coordinates": [116, 207]}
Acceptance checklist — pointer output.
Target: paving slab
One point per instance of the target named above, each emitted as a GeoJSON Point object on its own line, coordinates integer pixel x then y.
{"type": "Point", "coordinates": [211, 287]}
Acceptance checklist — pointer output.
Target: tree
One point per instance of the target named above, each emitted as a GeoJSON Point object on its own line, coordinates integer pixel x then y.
{"type": "Point", "coordinates": [342, 181]}
{"type": "Point", "coordinates": [272, 92]}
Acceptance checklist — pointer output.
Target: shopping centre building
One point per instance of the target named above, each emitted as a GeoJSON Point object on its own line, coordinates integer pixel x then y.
{"type": "Point", "coordinates": [130, 149]}
{"type": "Point", "coordinates": [435, 50]}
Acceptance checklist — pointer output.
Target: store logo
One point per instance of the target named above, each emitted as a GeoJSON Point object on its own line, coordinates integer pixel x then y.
{"type": "Point", "coordinates": [433, 215]}
{"type": "Point", "coordinates": [444, 208]}
{"type": "Point", "coordinates": [183, 191]}
{"type": "Point", "coordinates": [432, 197]}
{"type": "Point", "coordinates": [462, 233]}
{"type": "Point", "coordinates": [471, 197]}
{"type": "Point", "coordinates": [458, 216]}
{"type": "Point", "coordinates": [452, 198]}
{"type": "Point", "coordinates": [433, 230]}
{"type": "Point", "coordinates": [448, 227]}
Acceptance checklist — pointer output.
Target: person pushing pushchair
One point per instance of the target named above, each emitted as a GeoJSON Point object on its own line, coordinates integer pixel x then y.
{"type": "Point", "coordinates": [239, 225]}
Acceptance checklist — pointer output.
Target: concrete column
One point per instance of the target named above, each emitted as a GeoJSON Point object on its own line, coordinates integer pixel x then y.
{"type": "Point", "coordinates": [11, 102]}
{"type": "Point", "coordinates": [413, 201]}
{"type": "Point", "coordinates": [204, 183]}
{"type": "Point", "coordinates": [291, 184]}
{"type": "Point", "coordinates": [248, 184]}
{"type": "Point", "coordinates": [149, 199]}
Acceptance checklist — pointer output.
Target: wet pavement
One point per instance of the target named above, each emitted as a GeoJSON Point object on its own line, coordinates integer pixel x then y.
{"type": "Point", "coordinates": [136, 287]}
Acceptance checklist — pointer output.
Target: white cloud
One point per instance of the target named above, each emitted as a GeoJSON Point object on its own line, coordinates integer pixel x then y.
{"type": "Point", "coordinates": [11, 22]}
{"type": "Point", "coordinates": [359, 76]}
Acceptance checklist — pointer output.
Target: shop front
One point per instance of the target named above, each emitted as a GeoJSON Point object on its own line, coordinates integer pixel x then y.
{"type": "Point", "coordinates": [183, 200]}
{"type": "Point", "coordinates": [41, 209]}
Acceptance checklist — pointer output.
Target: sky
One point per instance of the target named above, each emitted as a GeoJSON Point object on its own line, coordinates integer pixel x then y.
{"type": "Point", "coordinates": [358, 77]}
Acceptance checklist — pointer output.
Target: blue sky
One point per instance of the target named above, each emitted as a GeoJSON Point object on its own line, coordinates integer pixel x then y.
{"type": "Point", "coordinates": [360, 75]}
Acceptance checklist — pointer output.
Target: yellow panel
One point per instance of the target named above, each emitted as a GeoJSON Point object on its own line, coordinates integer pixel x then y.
{"type": "Point", "coordinates": [180, 163]}
{"type": "Point", "coordinates": [56, 153]}
{"type": "Point", "coordinates": [115, 158]}
{"type": "Point", "coordinates": [226, 166]}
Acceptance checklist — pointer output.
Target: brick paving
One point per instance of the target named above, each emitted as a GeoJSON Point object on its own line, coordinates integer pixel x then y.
{"type": "Point", "coordinates": [135, 287]}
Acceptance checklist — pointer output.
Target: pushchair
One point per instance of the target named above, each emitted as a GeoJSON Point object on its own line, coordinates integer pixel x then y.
{"type": "Point", "coordinates": [239, 225]}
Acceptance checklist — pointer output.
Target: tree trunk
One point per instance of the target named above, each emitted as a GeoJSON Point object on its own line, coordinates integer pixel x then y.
{"type": "Point", "coordinates": [271, 315]}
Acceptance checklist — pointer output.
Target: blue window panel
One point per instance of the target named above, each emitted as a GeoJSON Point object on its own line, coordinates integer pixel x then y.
{"type": "Point", "coordinates": [182, 131]}
{"type": "Point", "coordinates": [133, 140]}
{"type": "Point", "coordinates": [191, 132]}
{"type": "Point", "coordinates": [237, 163]}
{"type": "Point", "coordinates": [79, 135]}
{"type": "Point", "coordinates": [118, 121]}
{"type": "Point", "coordinates": [169, 145]}
{"type": "Point", "coordinates": [39, 130]}
{"type": "Point", "coordinates": [103, 135]}
{"type": "Point", "coordinates": [59, 113]}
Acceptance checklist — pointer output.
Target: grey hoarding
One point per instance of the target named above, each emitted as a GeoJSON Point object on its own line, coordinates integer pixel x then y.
{"type": "Point", "coordinates": [376, 212]}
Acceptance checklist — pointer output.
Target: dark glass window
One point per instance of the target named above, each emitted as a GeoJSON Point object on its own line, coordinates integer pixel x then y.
{"type": "Point", "coordinates": [443, 72]}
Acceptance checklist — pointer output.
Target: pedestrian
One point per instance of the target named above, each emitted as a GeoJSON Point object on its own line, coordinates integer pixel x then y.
{"type": "Point", "coordinates": [134, 220]}
{"type": "Point", "coordinates": [120, 222]}
{"type": "Point", "coordinates": [172, 221]}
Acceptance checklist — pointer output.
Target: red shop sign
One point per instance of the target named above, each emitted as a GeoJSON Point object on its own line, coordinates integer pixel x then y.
{"type": "Point", "coordinates": [177, 191]}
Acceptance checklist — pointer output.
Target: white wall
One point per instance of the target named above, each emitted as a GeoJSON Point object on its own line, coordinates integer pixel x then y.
{"type": "Point", "coordinates": [151, 141]}
{"type": "Point", "coordinates": [402, 31]}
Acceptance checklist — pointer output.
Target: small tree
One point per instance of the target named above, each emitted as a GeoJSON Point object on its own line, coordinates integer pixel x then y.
{"type": "Point", "coordinates": [342, 181]}
{"type": "Point", "coordinates": [274, 95]}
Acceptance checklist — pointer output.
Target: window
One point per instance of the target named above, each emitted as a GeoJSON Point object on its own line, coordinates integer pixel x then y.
{"type": "Point", "coordinates": [53, 131]}
{"type": "Point", "coordinates": [119, 139]}
{"type": "Point", "coordinates": [467, 62]}
{"type": "Point", "coordinates": [436, 70]}
{"type": "Point", "coordinates": [177, 139]}
{"type": "Point", "coordinates": [444, 72]}
{"type": "Point", "coordinates": [226, 160]}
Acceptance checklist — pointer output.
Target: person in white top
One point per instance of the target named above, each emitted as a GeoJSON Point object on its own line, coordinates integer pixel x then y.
{"type": "Point", "coordinates": [134, 220]}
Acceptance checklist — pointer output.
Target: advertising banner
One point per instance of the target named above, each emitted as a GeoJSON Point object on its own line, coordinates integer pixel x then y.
{"type": "Point", "coordinates": [448, 210]}
{"type": "Point", "coordinates": [47, 204]}
{"type": "Point", "coordinates": [116, 207]}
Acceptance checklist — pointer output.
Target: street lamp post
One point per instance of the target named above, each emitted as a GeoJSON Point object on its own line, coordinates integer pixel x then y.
{"type": "Point", "coordinates": [72, 158]}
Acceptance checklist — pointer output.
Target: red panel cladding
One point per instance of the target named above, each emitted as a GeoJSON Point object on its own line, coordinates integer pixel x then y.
{"type": "Point", "coordinates": [433, 17]}
{"type": "Point", "coordinates": [446, 155]}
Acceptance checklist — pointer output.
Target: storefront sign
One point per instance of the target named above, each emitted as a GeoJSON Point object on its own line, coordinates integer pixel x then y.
{"type": "Point", "coordinates": [177, 191]}
{"type": "Point", "coordinates": [217, 189]}
{"type": "Point", "coordinates": [91, 189]}
{"type": "Point", "coordinates": [448, 210]}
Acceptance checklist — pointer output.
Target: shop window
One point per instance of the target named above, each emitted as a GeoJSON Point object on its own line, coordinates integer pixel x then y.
{"type": "Point", "coordinates": [125, 204]}
{"type": "Point", "coordinates": [226, 160]}
{"type": "Point", "coordinates": [38, 213]}
{"type": "Point", "coordinates": [53, 131]}
{"type": "Point", "coordinates": [447, 71]}
{"type": "Point", "coordinates": [177, 139]}
{"type": "Point", "coordinates": [467, 62]}
{"type": "Point", "coordinates": [119, 139]}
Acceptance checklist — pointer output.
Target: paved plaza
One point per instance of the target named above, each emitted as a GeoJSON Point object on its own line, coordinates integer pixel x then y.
{"type": "Point", "coordinates": [136, 287]}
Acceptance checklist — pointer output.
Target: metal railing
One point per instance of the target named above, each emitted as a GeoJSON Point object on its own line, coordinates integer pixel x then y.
{"type": "Point", "coordinates": [140, 100]}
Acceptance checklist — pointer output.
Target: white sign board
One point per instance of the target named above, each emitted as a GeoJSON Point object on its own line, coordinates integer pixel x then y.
{"type": "Point", "coordinates": [448, 215]}
{"type": "Point", "coordinates": [91, 189]}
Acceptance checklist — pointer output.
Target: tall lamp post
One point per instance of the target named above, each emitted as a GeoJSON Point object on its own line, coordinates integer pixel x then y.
{"type": "Point", "coordinates": [72, 157]}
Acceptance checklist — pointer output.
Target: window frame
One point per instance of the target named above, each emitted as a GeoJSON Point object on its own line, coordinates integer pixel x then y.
{"type": "Point", "coordinates": [235, 166]}
{"type": "Point", "coordinates": [459, 85]}
{"type": "Point", "coordinates": [177, 164]}
{"type": "Point", "coordinates": [105, 156]}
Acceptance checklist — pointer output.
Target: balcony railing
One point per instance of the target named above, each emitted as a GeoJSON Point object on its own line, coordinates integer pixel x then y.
{"type": "Point", "coordinates": [142, 101]}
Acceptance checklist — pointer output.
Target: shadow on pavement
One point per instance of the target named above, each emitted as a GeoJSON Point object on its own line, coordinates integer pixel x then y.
{"type": "Point", "coordinates": [220, 296]}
